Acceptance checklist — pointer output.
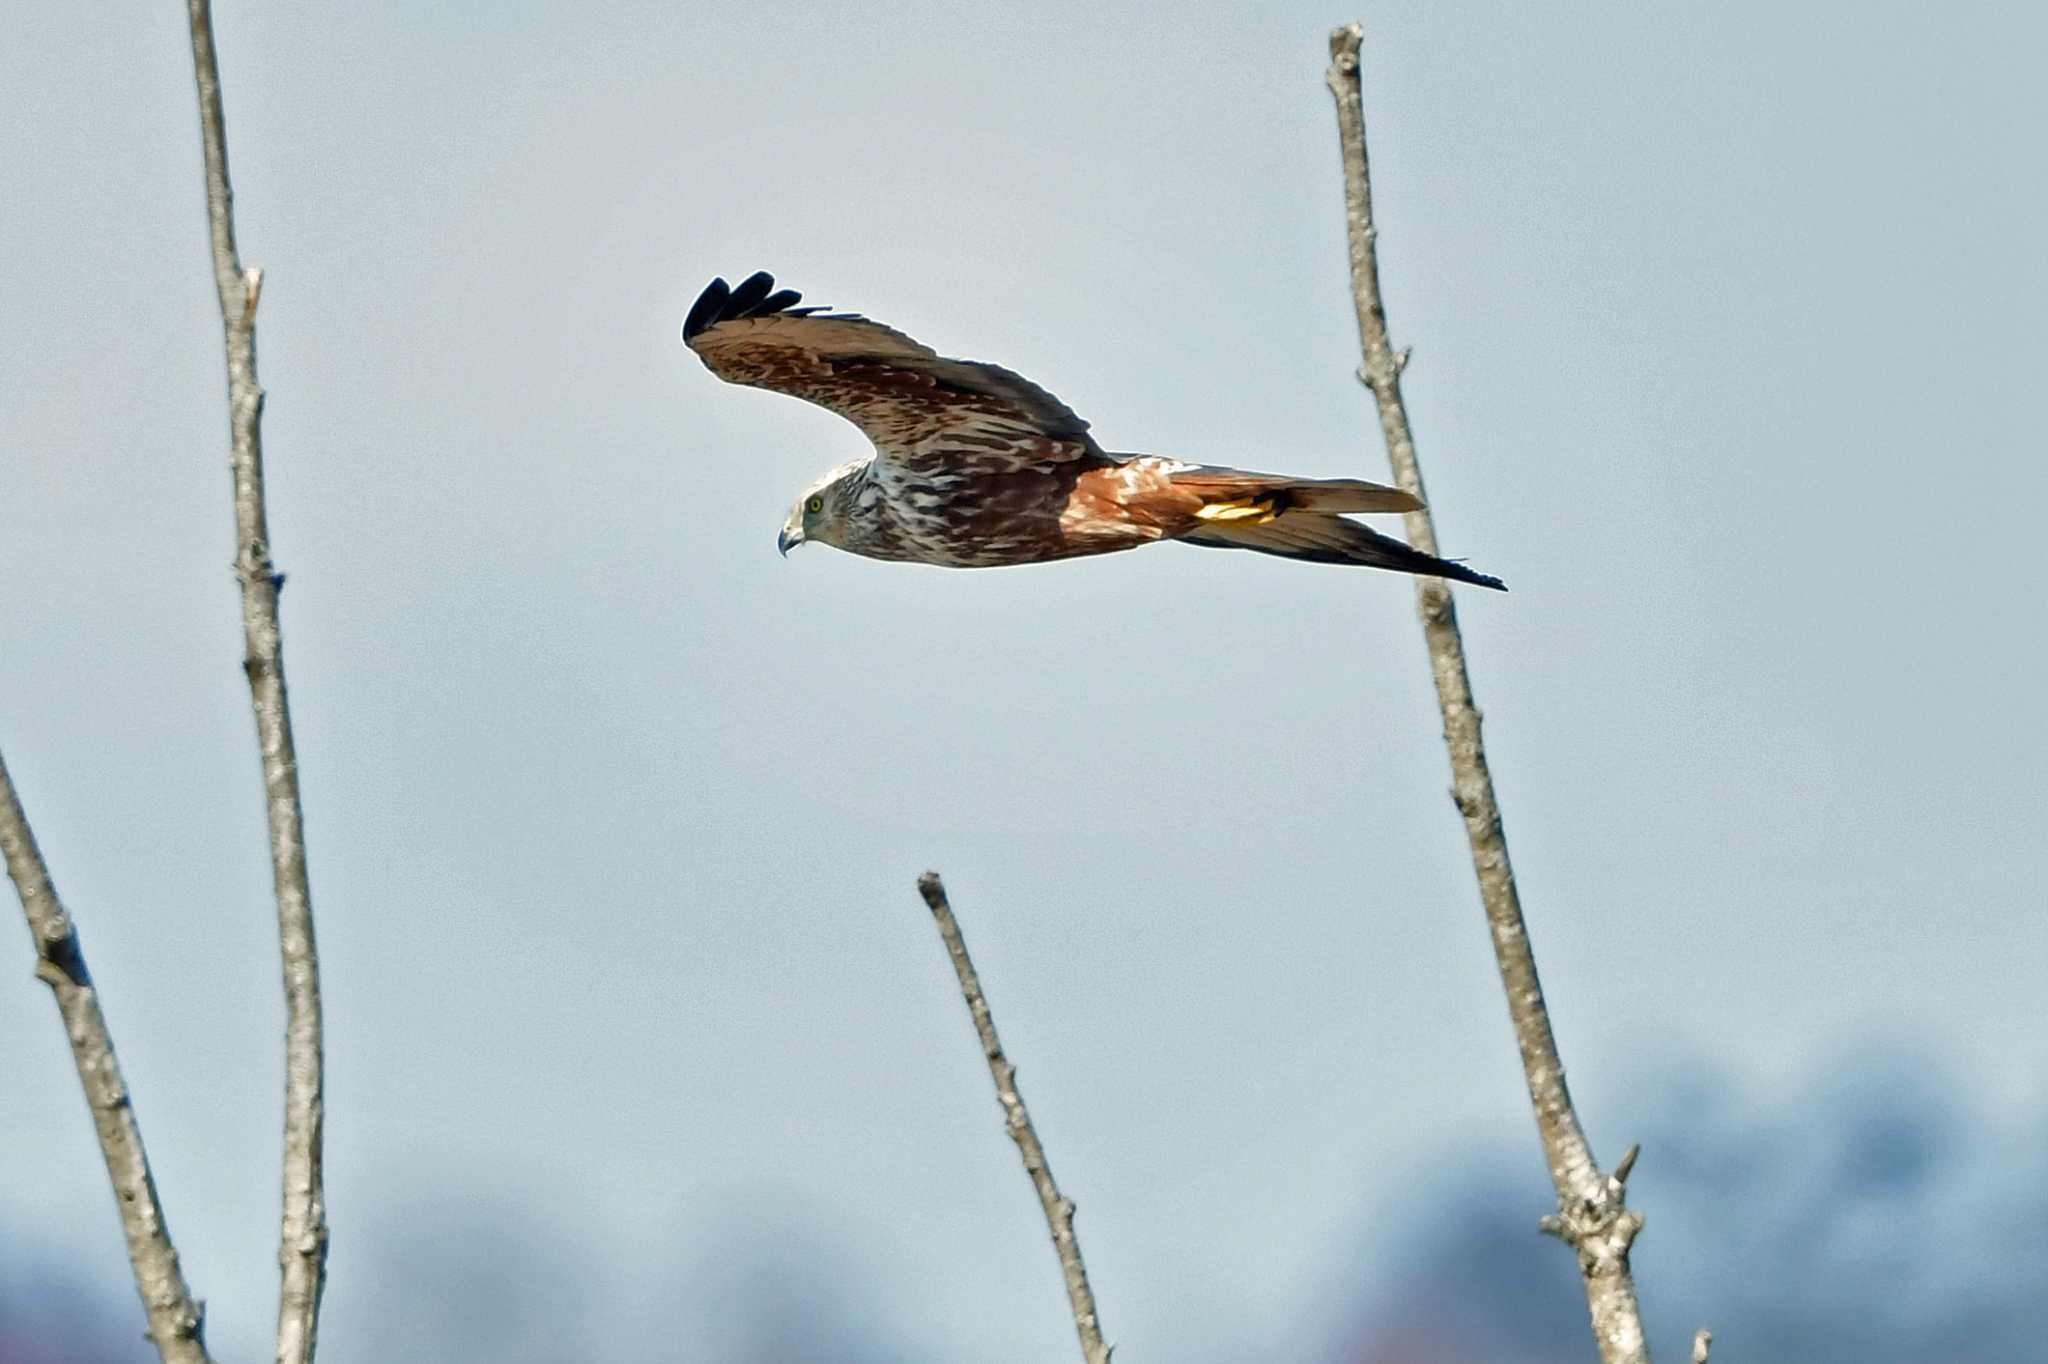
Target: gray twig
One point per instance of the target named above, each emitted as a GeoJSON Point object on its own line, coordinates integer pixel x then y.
{"type": "Point", "coordinates": [1592, 1215]}
{"type": "Point", "coordinates": [302, 1250]}
{"type": "Point", "coordinates": [177, 1320]}
{"type": "Point", "coordinates": [1059, 1209]}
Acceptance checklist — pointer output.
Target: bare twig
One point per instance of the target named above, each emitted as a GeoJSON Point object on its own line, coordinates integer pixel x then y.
{"type": "Point", "coordinates": [1592, 1215]}
{"type": "Point", "coordinates": [302, 1252]}
{"type": "Point", "coordinates": [1059, 1209]}
{"type": "Point", "coordinates": [177, 1321]}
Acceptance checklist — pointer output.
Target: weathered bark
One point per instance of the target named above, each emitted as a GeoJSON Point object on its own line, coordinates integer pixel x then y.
{"type": "Point", "coordinates": [302, 1250]}
{"type": "Point", "coordinates": [1059, 1209]}
{"type": "Point", "coordinates": [1593, 1217]}
{"type": "Point", "coordinates": [177, 1321]}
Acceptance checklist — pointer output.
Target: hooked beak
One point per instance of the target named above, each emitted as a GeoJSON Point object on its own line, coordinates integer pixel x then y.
{"type": "Point", "coordinates": [787, 537]}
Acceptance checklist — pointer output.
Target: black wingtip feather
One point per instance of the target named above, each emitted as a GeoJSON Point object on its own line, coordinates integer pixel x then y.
{"type": "Point", "coordinates": [1476, 578]}
{"type": "Point", "coordinates": [754, 296]}
{"type": "Point", "coordinates": [749, 292]}
{"type": "Point", "coordinates": [708, 308]}
{"type": "Point", "coordinates": [777, 302]}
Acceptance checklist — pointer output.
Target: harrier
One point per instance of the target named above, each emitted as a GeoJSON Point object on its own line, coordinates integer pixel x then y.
{"type": "Point", "coordinates": [977, 467]}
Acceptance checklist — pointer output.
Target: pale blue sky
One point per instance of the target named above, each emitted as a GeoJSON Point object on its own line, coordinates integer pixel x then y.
{"type": "Point", "coordinates": [1727, 330]}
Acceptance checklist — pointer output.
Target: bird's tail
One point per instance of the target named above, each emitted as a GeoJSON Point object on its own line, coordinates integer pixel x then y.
{"type": "Point", "coordinates": [1323, 538]}
{"type": "Point", "coordinates": [1274, 494]}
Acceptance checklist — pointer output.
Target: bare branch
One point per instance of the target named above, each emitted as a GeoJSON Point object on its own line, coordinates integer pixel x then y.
{"type": "Point", "coordinates": [177, 1321]}
{"type": "Point", "coordinates": [1627, 1165]}
{"type": "Point", "coordinates": [1592, 1217]}
{"type": "Point", "coordinates": [302, 1252]}
{"type": "Point", "coordinates": [1059, 1209]}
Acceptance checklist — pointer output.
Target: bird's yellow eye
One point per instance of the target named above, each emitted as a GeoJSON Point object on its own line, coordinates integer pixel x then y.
{"type": "Point", "coordinates": [815, 505]}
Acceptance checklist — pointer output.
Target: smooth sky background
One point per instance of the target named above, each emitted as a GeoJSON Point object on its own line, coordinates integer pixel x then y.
{"type": "Point", "coordinates": [1728, 345]}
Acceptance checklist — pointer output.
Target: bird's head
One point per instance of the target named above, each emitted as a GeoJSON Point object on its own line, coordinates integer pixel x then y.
{"type": "Point", "coordinates": [822, 513]}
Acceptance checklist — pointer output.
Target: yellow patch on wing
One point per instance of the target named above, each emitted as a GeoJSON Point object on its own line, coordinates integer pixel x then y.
{"type": "Point", "coordinates": [1244, 511]}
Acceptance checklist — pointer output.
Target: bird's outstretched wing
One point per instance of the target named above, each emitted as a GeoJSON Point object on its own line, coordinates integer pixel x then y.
{"type": "Point", "coordinates": [928, 416]}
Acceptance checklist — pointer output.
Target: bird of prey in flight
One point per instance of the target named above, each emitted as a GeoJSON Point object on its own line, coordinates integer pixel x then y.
{"type": "Point", "coordinates": [977, 467]}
